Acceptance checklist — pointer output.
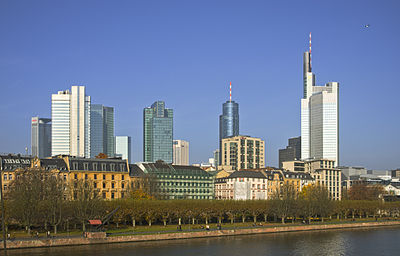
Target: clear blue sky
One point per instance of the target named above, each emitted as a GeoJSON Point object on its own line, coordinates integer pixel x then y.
{"type": "Point", "coordinates": [129, 54]}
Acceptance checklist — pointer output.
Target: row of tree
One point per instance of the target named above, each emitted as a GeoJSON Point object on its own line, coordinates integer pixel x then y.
{"type": "Point", "coordinates": [41, 199]}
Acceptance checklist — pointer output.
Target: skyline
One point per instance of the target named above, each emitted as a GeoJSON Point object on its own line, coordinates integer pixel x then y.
{"type": "Point", "coordinates": [189, 64]}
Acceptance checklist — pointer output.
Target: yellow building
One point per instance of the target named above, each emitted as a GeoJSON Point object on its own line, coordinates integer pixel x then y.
{"type": "Point", "coordinates": [243, 152]}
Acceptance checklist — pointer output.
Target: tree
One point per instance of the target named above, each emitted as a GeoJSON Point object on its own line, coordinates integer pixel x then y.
{"type": "Point", "coordinates": [315, 201]}
{"type": "Point", "coordinates": [363, 191]}
{"type": "Point", "coordinates": [284, 201]}
{"type": "Point", "coordinates": [86, 201]}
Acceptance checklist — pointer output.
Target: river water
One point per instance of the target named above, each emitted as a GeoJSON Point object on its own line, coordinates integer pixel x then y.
{"type": "Point", "coordinates": [368, 241]}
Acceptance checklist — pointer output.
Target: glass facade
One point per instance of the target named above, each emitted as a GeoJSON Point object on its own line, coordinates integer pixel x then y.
{"type": "Point", "coordinates": [41, 137]}
{"type": "Point", "coordinates": [157, 133]}
{"type": "Point", "coordinates": [123, 147]}
{"type": "Point", "coordinates": [228, 121]}
{"type": "Point", "coordinates": [102, 138]}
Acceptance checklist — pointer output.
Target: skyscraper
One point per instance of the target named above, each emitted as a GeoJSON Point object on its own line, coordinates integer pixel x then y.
{"type": "Point", "coordinates": [229, 120]}
{"type": "Point", "coordinates": [123, 147]}
{"type": "Point", "coordinates": [41, 137]}
{"type": "Point", "coordinates": [70, 114]}
{"type": "Point", "coordinates": [319, 116]}
{"type": "Point", "coordinates": [102, 138]}
{"type": "Point", "coordinates": [157, 133]}
{"type": "Point", "coordinates": [181, 152]}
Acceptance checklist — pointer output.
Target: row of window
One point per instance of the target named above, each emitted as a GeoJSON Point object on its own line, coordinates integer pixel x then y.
{"type": "Point", "coordinates": [95, 176]}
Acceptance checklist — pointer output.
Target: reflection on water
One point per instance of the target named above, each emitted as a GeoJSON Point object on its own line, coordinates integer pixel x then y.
{"type": "Point", "coordinates": [377, 241]}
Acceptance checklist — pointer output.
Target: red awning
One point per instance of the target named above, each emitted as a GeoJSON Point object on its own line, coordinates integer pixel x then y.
{"type": "Point", "coordinates": [95, 222]}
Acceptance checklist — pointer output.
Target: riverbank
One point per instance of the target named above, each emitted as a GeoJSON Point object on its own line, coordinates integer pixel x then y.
{"type": "Point", "coordinates": [74, 241]}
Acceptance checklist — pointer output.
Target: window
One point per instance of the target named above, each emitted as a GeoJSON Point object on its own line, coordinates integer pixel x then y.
{"type": "Point", "coordinates": [65, 177]}
{"type": "Point", "coordinates": [75, 176]}
{"type": "Point", "coordinates": [104, 185]}
{"type": "Point", "coordinates": [10, 176]}
{"type": "Point", "coordinates": [103, 167]}
{"type": "Point", "coordinates": [123, 177]}
{"type": "Point", "coordinates": [95, 176]}
{"type": "Point", "coordinates": [112, 185]}
{"type": "Point", "coordinates": [104, 195]}
{"type": "Point", "coordinates": [95, 185]}
{"type": "Point", "coordinates": [86, 176]}
{"type": "Point", "coordinates": [112, 195]}
{"type": "Point", "coordinates": [5, 187]}
{"type": "Point", "coordinates": [104, 176]}
{"type": "Point", "coordinates": [112, 177]}
{"type": "Point", "coordinates": [122, 194]}
{"type": "Point", "coordinates": [86, 166]}
{"type": "Point", "coordinates": [75, 165]}
{"type": "Point", "coordinates": [123, 185]}
{"type": "Point", "coordinates": [5, 177]}
{"type": "Point", "coordinates": [95, 167]}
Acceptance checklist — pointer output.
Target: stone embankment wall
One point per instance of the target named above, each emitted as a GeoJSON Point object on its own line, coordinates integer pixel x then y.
{"type": "Point", "coordinates": [185, 235]}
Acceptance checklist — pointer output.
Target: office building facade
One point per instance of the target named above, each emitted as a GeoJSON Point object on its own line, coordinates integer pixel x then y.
{"type": "Point", "coordinates": [291, 152]}
{"type": "Point", "coordinates": [41, 137]}
{"type": "Point", "coordinates": [157, 133]}
{"type": "Point", "coordinates": [123, 147]}
{"type": "Point", "coordinates": [319, 117]}
{"type": "Point", "coordinates": [181, 152]}
{"type": "Point", "coordinates": [243, 152]}
{"type": "Point", "coordinates": [70, 114]}
{"type": "Point", "coordinates": [102, 138]}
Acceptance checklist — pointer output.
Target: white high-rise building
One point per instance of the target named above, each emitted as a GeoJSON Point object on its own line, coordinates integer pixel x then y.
{"type": "Point", "coordinates": [180, 152]}
{"type": "Point", "coordinates": [123, 147]}
{"type": "Point", "coordinates": [319, 117]}
{"type": "Point", "coordinates": [70, 112]}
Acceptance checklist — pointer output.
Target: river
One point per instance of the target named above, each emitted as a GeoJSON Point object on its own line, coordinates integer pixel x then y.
{"type": "Point", "coordinates": [368, 241]}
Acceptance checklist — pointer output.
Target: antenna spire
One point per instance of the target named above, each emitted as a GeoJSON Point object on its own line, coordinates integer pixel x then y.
{"type": "Point", "coordinates": [310, 51]}
{"type": "Point", "coordinates": [230, 91]}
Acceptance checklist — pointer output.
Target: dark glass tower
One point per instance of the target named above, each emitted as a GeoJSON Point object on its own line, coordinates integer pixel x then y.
{"type": "Point", "coordinates": [157, 133]}
{"type": "Point", "coordinates": [228, 122]}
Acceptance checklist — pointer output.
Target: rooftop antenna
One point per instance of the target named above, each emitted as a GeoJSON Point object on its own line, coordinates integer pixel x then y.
{"type": "Point", "coordinates": [230, 91]}
{"type": "Point", "coordinates": [310, 51]}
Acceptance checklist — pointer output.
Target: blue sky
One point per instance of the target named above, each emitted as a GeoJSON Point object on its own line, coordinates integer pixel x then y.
{"type": "Point", "coordinates": [131, 53]}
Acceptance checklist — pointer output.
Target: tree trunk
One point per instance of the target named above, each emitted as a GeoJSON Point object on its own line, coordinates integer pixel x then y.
{"type": "Point", "coordinates": [55, 229]}
{"type": "Point", "coordinates": [165, 223]}
{"type": "Point", "coordinates": [265, 218]}
{"type": "Point", "coordinates": [133, 222]}
{"type": "Point", "coordinates": [149, 223]}
{"type": "Point", "coordinates": [243, 218]}
{"type": "Point", "coordinates": [322, 219]}
{"type": "Point", "coordinates": [219, 220]}
{"type": "Point", "coordinates": [192, 221]}
{"type": "Point", "coordinates": [206, 220]}
{"type": "Point", "coordinates": [179, 221]}
{"type": "Point", "coordinates": [283, 220]}
{"type": "Point", "coordinates": [117, 224]}
{"type": "Point", "coordinates": [254, 218]}
{"type": "Point", "coordinates": [83, 226]}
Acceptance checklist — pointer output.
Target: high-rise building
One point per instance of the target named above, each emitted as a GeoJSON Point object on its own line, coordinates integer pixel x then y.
{"type": "Point", "coordinates": [291, 152]}
{"type": "Point", "coordinates": [41, 137]}
{"type": "Point", "coordinates": [102, 130]}
{"type": "Point", "coordinates": [181, 152]}
{"type": "Point", "coordinates": [216, 158]}
{"type": "Point", "coordinates": [157, 133]}
{"type": "Point", "coordinates": [123, 147]}
{"type": "Point", "coordinates": [243, 152]}
{"type": "Point", "coordinates": [70, 114]}
{"type": "Point", "coordinates": [229, 120]}
{"type": "Point", "coordinates": [319, 116]}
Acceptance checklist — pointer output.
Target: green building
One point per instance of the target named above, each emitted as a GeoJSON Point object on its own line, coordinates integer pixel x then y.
{"type": "Point", "coordinates": [157, 133]}
{"type": "Point", "coordinates": [178, 181]}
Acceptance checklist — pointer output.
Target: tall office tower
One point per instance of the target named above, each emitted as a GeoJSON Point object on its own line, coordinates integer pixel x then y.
{"type": "Point", "coordinates": [319, 116]}
{"type": "Point", "coordinates": [216, 158]}
{"type": "Point", "coordinates": [102, 138]}
{"type": "Point", "coordinates": [157, 133]}
{"type": "Point", "coordinates": [243, 152]}
{"type": "Point", "coordinates": [181, 152]}
{"type": "Point", "coordinates": [41, 137]}
{"type": "Point", "coordinates": [229, 120]}
{"type": "Point", "coordinates": [70, 114]}
{"type": "Point", "coordinates": [291, 152]}
{"type": "Point", "coordinates": [123, 147]}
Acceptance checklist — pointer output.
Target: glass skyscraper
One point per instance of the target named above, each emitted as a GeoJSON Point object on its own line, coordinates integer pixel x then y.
{"type": "Point", "coordinates": [70, 130]}
{"type": "Point", "coordinates": [319, 117]}
{"type": "Point", "coordinates": [228, 122]}
{"type": "Point", "coordinates": [102, 130]}
{"type": "Point", "coordinates": [41, 137]}
{"type": "Point", "coordinates": [157, 133]}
